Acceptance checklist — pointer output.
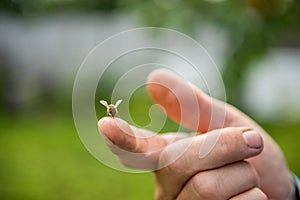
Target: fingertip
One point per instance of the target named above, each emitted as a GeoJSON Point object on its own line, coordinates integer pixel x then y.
{"type": "Point", "coordinates": [163, 77]}
{"type": "Point", "coordinates": [253, 139]}
{"type": "Point", "coordinates": [118, 132]}
{"type": "Point", "coordinates": [235, 147]}
{"type": "Point", "coordinates": [103, 121]}
{"type": "Point", "coordinates": [155, 83]}
{"type": "Point", "coordinates": [156, 74]}
{"type": "Point", "coordinates": [165, 88]}
{"type": "Point", "coordinates": [105, 124]}
{"type": "Point", "coordinates": [179, 99]}
{"type": "Point", "coordinates": [111, 122]}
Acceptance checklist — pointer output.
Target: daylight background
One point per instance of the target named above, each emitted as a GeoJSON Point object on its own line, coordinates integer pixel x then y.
{"type": "Point", "coordinates": [255, 44]}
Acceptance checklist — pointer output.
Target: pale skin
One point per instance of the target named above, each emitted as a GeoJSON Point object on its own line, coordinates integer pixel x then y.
{"type": "Point", "coordinates": [245, 162]}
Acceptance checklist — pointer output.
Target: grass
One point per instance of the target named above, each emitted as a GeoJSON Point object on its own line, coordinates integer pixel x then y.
{"type": "Point", "coordinates": [43, 158]}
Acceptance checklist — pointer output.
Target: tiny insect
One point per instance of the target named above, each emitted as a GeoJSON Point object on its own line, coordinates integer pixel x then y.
{"type": "Point", "coordinates": [111, 108]}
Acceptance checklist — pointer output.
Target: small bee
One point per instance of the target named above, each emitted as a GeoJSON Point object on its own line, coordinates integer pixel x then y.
{"type": "Point", "coordinates": [111, 108]}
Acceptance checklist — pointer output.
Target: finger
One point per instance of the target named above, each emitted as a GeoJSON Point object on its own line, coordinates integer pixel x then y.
{"type": "Point", "coordinates": [185, 103]}
{"type": "Point", "coordinates": [252, 194]}
{"type": "Point", "coordinates": [167, 89]}
{"type": "Point", "coordinates": [221, 183]}
{"type": "Point", "coordinates": [136, 148]}
{"type": "Point", "coordinates": [183, 159]}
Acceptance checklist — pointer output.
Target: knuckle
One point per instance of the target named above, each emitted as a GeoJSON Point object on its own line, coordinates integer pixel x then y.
{"type": "Point", "coordinates": [204, 186]}
{"type": "Point", "coordinates": [231, 129]}
{"type": "Point", "coordinates": [169, 163]}
{"type": "Point", "coordinates": [174, 168]}
{"type": "Point", "coordinates": [226, 147]}
{"type": "Point", "coordinates": [229, 138]}
{"type": "Point", "coordinates": [252, 174]}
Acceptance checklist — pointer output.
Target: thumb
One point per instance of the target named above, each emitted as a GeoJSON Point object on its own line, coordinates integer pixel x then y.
{"type": "Point", "coordinates": [189, 106]}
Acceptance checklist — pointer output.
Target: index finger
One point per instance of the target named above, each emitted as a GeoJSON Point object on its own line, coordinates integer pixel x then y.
{"type": "Point", "coordinates": [136, 148]}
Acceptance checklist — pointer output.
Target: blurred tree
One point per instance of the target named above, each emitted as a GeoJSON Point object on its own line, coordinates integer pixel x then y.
{"type": "Point", "coordinates": [9, 6]}
{"type": "Point", "coordinates": [40, 6]}
{"type": "Point", "coordinates": [253, 26]}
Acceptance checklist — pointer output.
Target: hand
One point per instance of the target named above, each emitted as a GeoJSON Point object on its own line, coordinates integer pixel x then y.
{"type": "Point", "coordinates": [229, 170]}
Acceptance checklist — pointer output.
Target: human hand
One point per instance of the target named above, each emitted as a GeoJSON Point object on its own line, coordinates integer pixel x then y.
{"type": "Point", "coordinates": [229, 170]}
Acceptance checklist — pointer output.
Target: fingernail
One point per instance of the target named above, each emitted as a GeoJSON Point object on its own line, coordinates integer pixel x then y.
{"type": "Point", "coordinates": [252, 139]}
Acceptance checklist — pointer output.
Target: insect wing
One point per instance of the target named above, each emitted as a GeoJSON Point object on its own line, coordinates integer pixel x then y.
{"type": "Point", "coordinates": [118, 103]}
{"type": "Point", "coordinates": [104, 103]}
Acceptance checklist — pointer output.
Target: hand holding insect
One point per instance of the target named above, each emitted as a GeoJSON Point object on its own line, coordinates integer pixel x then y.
{"type": "Point", "coordinates": [242, 164]}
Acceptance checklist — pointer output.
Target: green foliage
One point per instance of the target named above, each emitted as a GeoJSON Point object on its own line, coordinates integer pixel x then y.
{"type": "Point", "coordinates": [9, 6]}
{"type": "Point", "coordinates": [40, 6]}
{"type": "Point", "coordinates": [252, 26]}
{"type": "Point", "coordinates": [286, 136]}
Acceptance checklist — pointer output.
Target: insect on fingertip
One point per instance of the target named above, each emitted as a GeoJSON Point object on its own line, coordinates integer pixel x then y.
{"type": "Point", "coordinates": [111, 108]}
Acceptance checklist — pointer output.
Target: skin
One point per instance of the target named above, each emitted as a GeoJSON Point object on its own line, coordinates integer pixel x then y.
{"type": "Point", "coordinates": [237, 167]}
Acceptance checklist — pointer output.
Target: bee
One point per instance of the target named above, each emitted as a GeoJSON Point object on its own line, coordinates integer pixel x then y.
{"type": "Point", "coordinates": [111, 108]}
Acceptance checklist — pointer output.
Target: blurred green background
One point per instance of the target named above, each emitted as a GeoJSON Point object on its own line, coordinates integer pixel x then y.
{"type": "Point", "coordinates": [42, 44]}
